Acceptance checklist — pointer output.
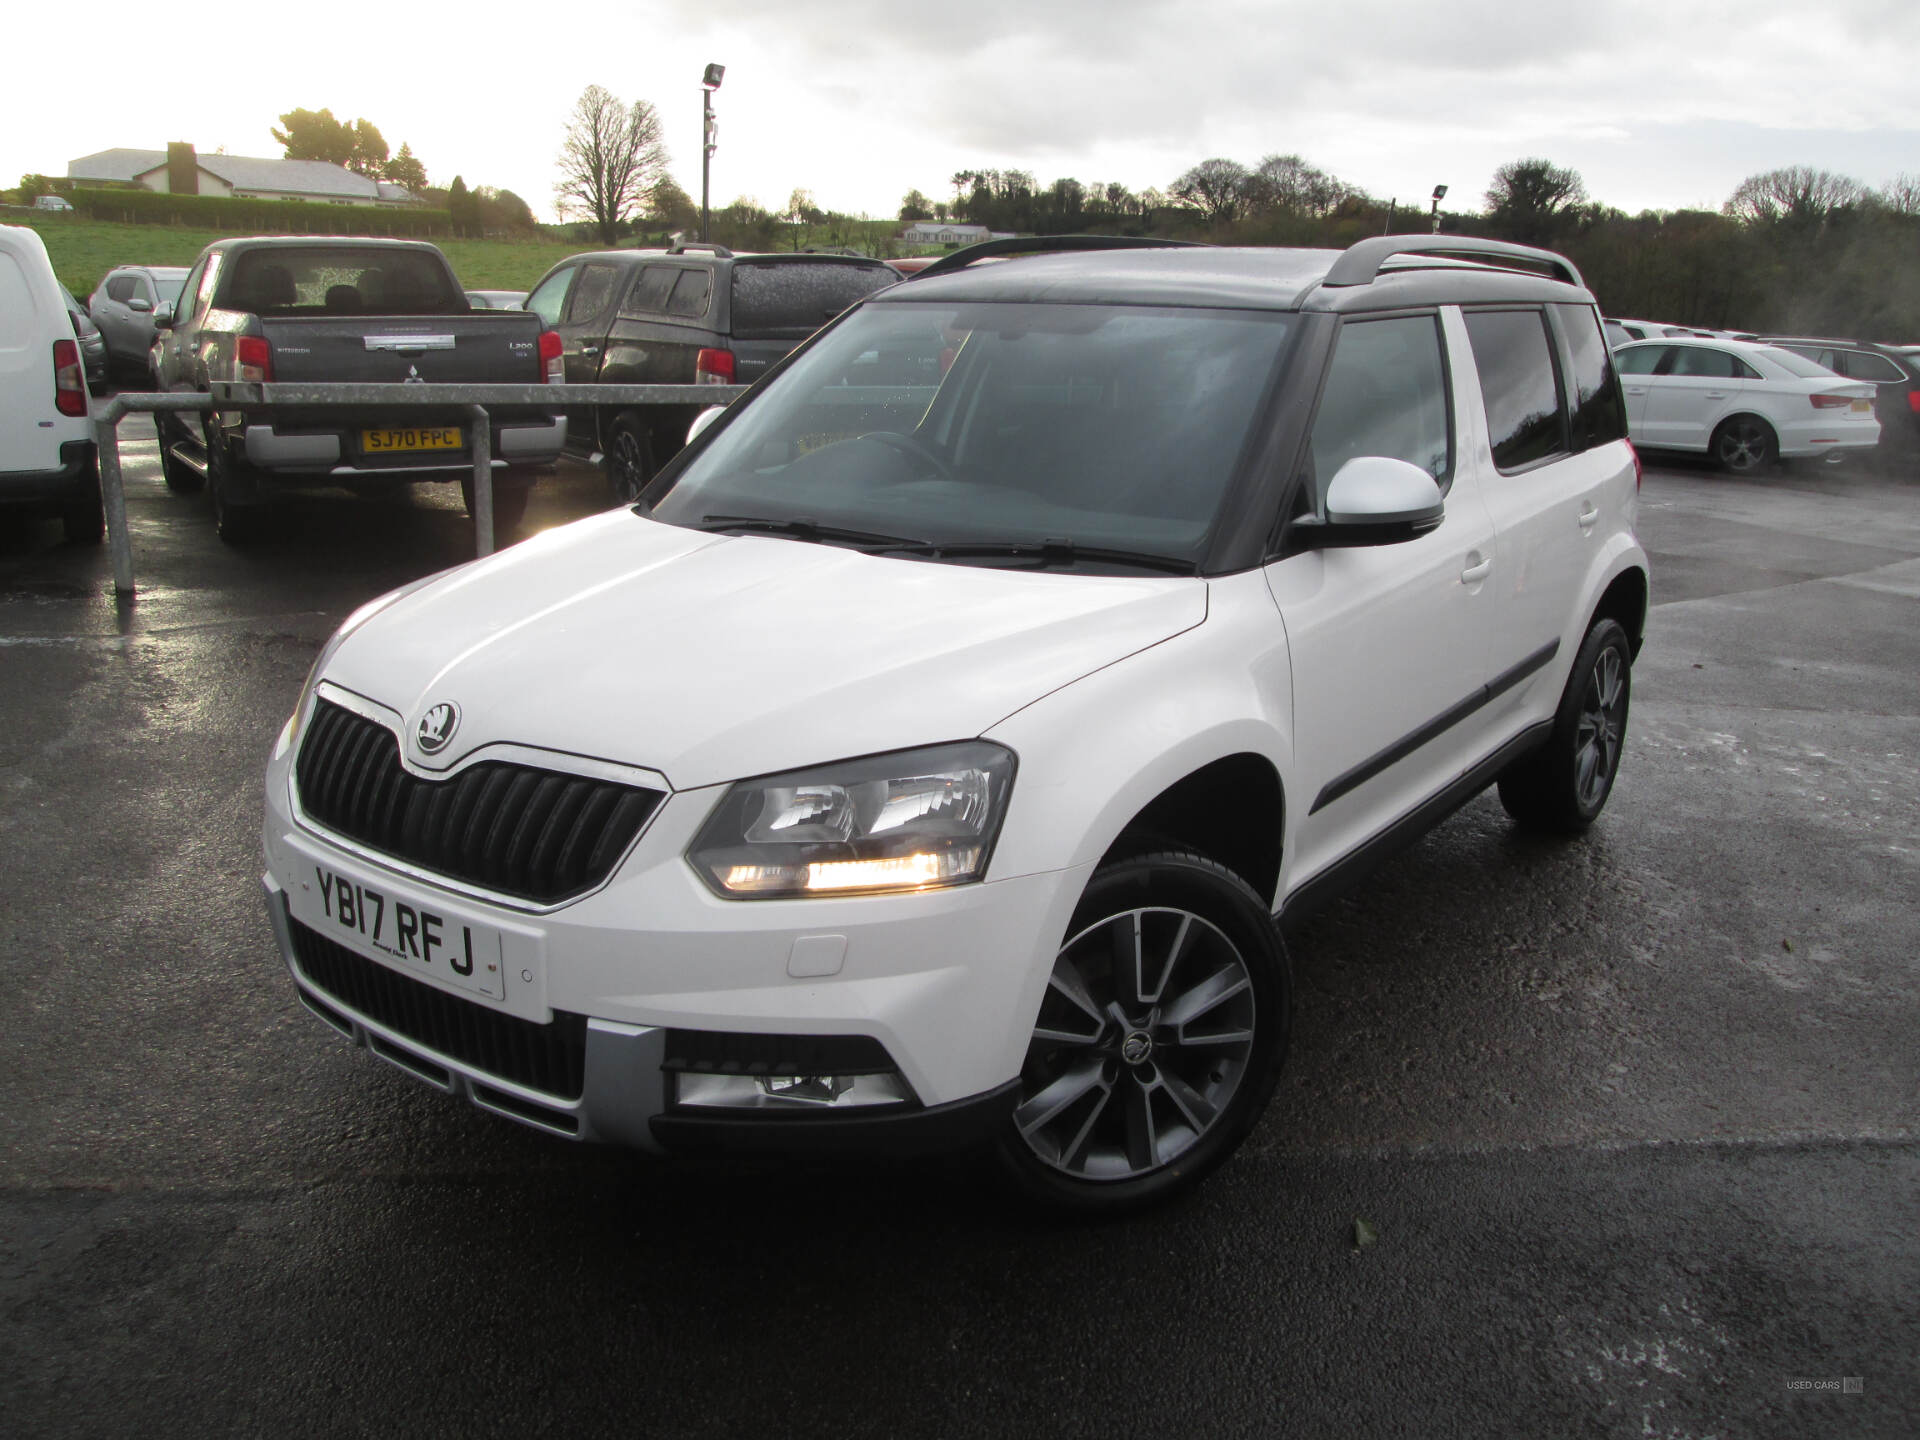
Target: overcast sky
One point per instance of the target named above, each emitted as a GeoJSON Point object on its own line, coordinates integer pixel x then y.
{"type": "Point", "coordinates": [1659, 104]}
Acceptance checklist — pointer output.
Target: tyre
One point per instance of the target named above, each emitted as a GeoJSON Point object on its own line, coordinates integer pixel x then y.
{"type": "Point", "coordinates": [630, 461]}
{"type": "Point", "coordinates": [1159, 1038]}
{"type": "Point", "coordinates": [181, 477]}
{"type": "Point", "coordinates": [1563, 786]}
{"type": "Point", "coordinates": [235, 522]}
{"type": "Point", "coordinates": [510, 493]}
{"type": "Point", "coordinates": [84, 519]}
{"type": "Point", "coordinates": [1745, 445]}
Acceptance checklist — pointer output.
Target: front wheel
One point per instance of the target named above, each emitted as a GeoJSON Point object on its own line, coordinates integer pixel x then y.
{"type": "Point", "coordinates": [1159, 1037]}
{"type": "Point", "coordinates": [1745, 445]}
{"type": "Point", "coordinates": [1562, 787]}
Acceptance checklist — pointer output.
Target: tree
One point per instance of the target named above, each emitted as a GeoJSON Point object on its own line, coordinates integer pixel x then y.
{"type": "Point", "coordinates": [462, 208]}
{"type": "Point", "coordinates": [315, 135]}
{"type": "Point", "coordinates": [611, 157]}
{"type": "Point", "coordinates": [369, 156]}
{"type": "Point", "coordinates": [502, 210]}
{"type": "Point", "coordinates": [1288, 185]}
{"type": "Point", "coordinates": [1529, 199]}
{"type": "Point", "coordinates": [405, 169]}
{"type": "Point", "coordinates": [1901, 194]}
{"type": "Point", "coordinates": [669, 207]}
{"type": "Point", "coordinates": [915, 206]}
{"type": "Point", "coordinates": [1798, 195]}
{"type": "Point", "coordinates": [1217, 188]}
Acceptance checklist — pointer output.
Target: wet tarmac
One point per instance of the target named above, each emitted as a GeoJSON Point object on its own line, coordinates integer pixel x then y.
{"type": "Point", "coordinates": [1633, 1118]}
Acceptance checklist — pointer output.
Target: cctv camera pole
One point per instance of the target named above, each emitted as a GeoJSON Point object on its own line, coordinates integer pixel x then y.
{"type": "Point", "coordinates": [1439, 194]}
{"type": "Point", "coordinates": [709, 82]}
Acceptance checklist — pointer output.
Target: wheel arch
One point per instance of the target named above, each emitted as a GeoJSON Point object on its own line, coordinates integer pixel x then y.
{"type": "Point", "coordinates": [1231, 810]}
{"type": "Point", "coordinates": [1625, 600]}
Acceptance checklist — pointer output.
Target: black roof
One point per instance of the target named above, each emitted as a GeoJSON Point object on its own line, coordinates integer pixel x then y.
{"type": "Point", "coordinates": [1234, 279]}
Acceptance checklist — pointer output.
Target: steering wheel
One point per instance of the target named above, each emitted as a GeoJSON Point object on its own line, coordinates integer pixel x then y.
{"type": "Point", "coordinates": [912, 447]}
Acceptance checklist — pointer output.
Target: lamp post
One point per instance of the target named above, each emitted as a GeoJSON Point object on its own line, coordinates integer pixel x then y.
{"type": "Point", "coordinates": [709, 83]}
{"type": "Point", "coordinates": [1439, 194]}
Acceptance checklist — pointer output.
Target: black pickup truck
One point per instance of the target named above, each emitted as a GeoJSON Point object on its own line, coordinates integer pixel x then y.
{"type": "Point", "coordinates": [323, 310]}
{"type": "Point", "coordinates": [687, 315]}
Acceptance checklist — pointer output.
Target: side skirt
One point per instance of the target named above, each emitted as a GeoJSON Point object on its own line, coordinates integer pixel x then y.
{"type": "Point", "coordinates": [1343, 874]}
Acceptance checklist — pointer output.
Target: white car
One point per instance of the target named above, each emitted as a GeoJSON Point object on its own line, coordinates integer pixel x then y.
{"type": "Point", "coordinates": [1745, 405]}
{"type": "Point", "coordinates": [929, 756]}
{"type": "Point", "coordinates": [1625, 332]}
{"type": "Point", "coordinates": [47, 459]}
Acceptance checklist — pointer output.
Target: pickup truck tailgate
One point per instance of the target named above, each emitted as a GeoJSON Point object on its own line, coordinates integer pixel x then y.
{"type": "Point", "coordinates": [487, 347]}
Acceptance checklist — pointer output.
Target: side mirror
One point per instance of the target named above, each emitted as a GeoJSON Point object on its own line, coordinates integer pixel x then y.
{"type": "Point", "coordinates": [162, 316]}
{"type": "Point", "coordinates": [140, 303]}
{"type": "Point", "coordinates": [701, 421]}
{"type": "Point", "coordinates": [1375, 500]}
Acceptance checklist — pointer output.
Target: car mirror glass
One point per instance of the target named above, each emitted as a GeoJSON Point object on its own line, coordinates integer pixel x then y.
{"type": "Point", "coordinates": [1377, 499]}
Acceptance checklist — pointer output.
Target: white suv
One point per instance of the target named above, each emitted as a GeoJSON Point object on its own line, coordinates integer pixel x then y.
{"type": "Point", "coordinates": [47, 459]}
{"type": "Point", "coordinates": [930, 755]}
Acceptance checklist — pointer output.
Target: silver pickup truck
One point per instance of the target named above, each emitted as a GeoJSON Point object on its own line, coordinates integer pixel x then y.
{"type": "Point", "coordinates": [324, 310]}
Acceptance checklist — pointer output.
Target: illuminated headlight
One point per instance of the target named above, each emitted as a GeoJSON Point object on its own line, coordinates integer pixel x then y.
{"type": "Point", "coordinates": [911, 820]}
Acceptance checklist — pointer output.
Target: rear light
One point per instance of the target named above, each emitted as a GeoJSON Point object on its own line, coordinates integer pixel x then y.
{"type": "Point", "coordinates": [1831, 402]}
{"type": "Point", "coordinates": [256, 358]}
{"type": "Point", "coordinates": [551, 365]}
{"type": "Point", "coordinates": [69, 384]}
{"type": "Point", "coordinates": [1636, 466]}
{"type": "Point", "coordinates": [1913, 401]}
{"type": "Point", "coordinates": [713, 367]}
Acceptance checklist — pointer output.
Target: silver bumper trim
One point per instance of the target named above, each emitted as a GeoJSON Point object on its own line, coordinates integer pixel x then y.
{"type": "Point", "coordinates": [623, 1089]}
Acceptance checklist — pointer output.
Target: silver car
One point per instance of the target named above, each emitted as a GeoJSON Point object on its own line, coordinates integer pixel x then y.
{"type": "Point", "coordinates": [123, 308]}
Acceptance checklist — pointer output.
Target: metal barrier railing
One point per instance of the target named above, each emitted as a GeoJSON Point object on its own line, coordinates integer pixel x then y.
{"type": "Point", "coordinates": [264, 398]}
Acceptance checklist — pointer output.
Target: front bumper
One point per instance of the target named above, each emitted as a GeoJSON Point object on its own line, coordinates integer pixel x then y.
{"type": "Point", "coordinates": [946, 982]}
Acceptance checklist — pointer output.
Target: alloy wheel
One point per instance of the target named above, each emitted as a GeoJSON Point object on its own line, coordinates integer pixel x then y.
{"type": "Point", "coordinates": [1143, 1040]}
{"type": "Point", "coordinates": [1601, 728]}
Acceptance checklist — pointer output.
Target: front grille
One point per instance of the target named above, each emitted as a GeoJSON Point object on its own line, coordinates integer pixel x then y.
{"type": "Point", "coordinates": [550, 1058]}
{"type": "Point", "coordinates": [539, 835]}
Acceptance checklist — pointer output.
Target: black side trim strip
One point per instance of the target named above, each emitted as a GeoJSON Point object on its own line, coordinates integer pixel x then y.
{"type": "Point", "coordinates": [1434, 728]}
{"type": "Point", "coordinates": [1339, 876]}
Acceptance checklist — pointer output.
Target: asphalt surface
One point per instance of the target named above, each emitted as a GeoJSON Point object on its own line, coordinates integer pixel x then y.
{"type": "Point", "coordinates": [1633, 1119]}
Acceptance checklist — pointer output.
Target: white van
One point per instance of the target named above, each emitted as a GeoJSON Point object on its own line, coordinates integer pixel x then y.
{"type": "Point", "coordinates": [47, 457]}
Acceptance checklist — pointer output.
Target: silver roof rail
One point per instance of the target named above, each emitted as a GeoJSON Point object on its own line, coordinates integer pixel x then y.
{"type": "Point", "coordinates": [1359, 263]}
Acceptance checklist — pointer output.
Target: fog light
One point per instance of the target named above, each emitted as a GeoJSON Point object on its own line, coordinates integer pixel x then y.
{"type": "Point", "coordinates": [791, 1092]}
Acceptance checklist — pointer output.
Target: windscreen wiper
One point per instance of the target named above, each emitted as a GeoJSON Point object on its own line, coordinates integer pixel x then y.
{"type": "Point", "coordinates": [802, 527]}
{"type": "Point", "coordinates": [1044, 552]}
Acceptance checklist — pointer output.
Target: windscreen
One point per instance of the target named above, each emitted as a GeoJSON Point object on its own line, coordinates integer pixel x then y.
{"type": "Point", "coordinates": [169, 283]}
{"type": "Point", "coordinates": [1101, 426]}
{"type": "Point", "coordinates": [342, 280]}
{"type": "Point", "coordinates": [795, 298]}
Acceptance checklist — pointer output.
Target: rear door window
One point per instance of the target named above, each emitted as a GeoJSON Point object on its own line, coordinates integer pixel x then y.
{"type": "Point", "coordinates": [649, 291]}
{"type": "Point", "coordinates": [795, 299]}
{"type": "Point", "coordinates": [1519, 384]}
{"type": "Point", "coordinates": [1599, 415]}
{"type": "Point", "coordinates": [690, 293]}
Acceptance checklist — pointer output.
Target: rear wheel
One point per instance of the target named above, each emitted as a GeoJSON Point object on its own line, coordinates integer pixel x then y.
{"type": "Point", "coordinates": [1745, 445]}
{"type": "Point", "coordinates": [630, 458]}
{"type": "Point", "coordinates": [84, 519]}
{"type": "Point", "coordinates": [1562, 787]}
{"type": "Point", "coordinates": [228, 477]}
{"type": "Point", "coordinates": [1159, 1038]}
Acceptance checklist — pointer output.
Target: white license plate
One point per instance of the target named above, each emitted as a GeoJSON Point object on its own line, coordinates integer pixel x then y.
{"type": "Point", "coordinates": [400, 931]}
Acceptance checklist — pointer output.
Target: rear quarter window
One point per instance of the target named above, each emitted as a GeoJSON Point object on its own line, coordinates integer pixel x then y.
{"type": "Point", "coordinates": [797, 299]}
{"type": "Point", "coordinates": [1599, 413]}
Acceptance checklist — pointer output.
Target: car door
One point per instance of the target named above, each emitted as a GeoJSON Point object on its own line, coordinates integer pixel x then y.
{"type": "Point", "coordinates": [1696, 387]}
{"type": "Point", "coordinates": [1547, 488]}
{"type": "Point", "coordinates": [1636, 365]}
{"type": "Point", "coordinates": [110, 313]}
{"type": "Point", "coordinates": [1386, 643]}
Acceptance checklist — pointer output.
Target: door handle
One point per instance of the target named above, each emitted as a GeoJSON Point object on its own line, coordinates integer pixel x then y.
{"type": "Point", "coordinates": [1588, 516]}
{"type": "Point", "coordinates": [1716, 394]}
{"type": "Point", "coordinates": [1476, 572]}
{"type": "Point", "coordinates": [589, 349]}
{"type": "Point", "coordinates": [1636, 389]}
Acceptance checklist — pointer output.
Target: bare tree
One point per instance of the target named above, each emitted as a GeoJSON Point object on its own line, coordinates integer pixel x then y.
{"type": "Point", "coordinates": [1528, 197]}
{"type": "Point", "coordinates": [1901, 194]}
{"type": "Point", "coordinates": [1216, 187]}
{"type": "Point", "coordinates": [1799, 194]}
{"type": "Point", "coordinates": [611, 158]}
{"type": "Point", "coordinates": [1289, 185]}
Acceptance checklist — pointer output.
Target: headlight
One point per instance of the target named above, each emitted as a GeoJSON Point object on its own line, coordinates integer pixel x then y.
{"type": "Point", "coordinates": [910, 820]}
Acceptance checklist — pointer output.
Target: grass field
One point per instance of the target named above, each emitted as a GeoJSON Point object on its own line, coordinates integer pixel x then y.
{"type": "Point", "coordinates": [84, 250]}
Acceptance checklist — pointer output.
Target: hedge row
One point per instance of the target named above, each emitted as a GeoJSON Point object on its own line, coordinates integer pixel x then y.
{"type": "Point", "coordinates": [216, 212]}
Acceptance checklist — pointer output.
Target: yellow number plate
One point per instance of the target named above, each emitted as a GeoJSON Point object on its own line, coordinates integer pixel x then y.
{"type": "Point", "coordinates": [382, 442]}
{"type": "Point", "coordinates": [1862, 407]}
